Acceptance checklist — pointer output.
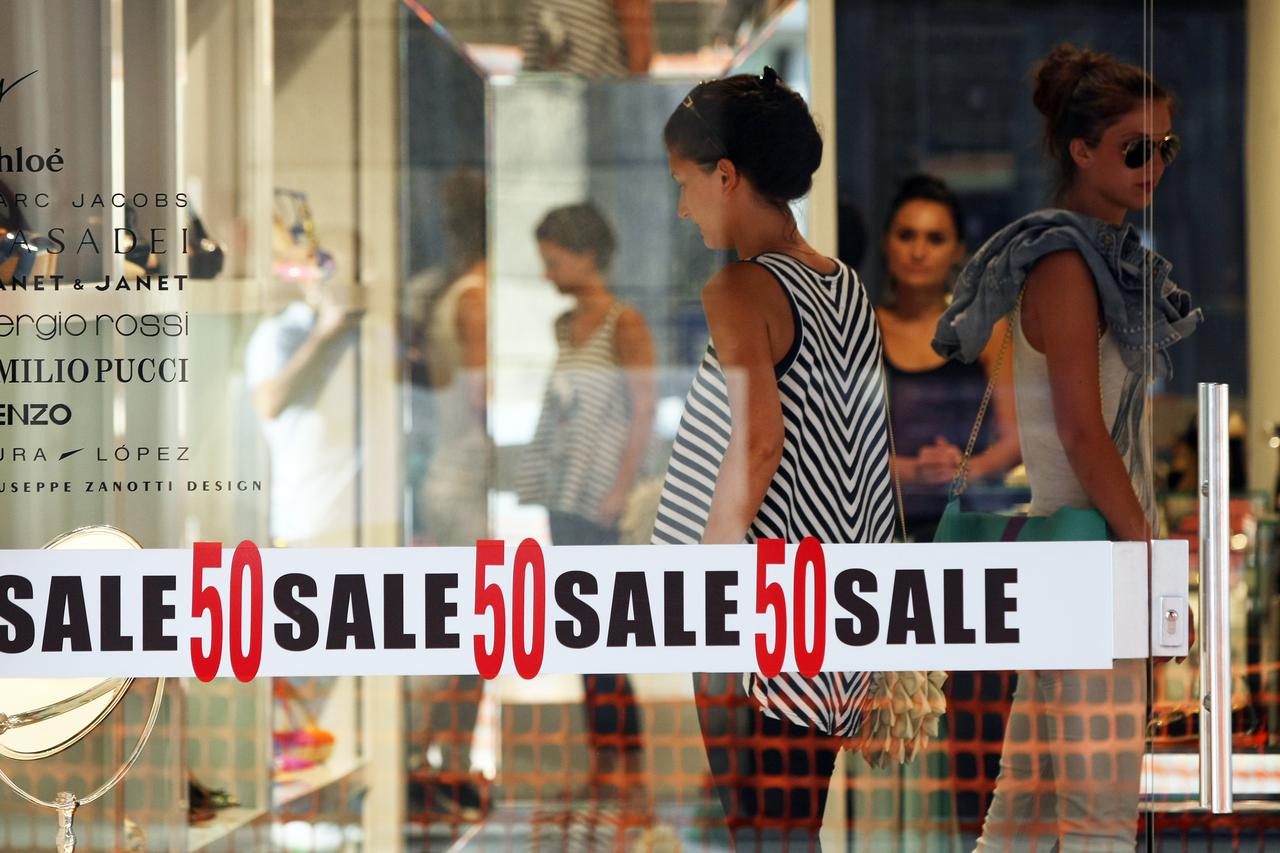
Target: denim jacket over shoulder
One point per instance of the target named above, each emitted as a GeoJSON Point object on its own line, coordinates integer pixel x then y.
{"type": "Point", "coordinates": [988, 286]}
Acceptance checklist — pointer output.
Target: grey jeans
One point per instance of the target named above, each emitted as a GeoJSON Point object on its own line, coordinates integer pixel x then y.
{"type": "Point", "coordinates": [1072, 761]}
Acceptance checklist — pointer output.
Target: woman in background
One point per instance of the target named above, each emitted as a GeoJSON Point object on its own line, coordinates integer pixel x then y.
{"type": "Point", "coordinates": [933, 400]}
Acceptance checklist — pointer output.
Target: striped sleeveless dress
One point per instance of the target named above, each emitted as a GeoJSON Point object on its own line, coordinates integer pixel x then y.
{"type": "Point", "coordinates": [834, 480]}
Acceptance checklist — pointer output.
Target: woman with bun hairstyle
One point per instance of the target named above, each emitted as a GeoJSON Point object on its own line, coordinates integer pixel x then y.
{"type": "Point", "coordinates": [783, 434]}
{"type": "Point", "coordinates": [932, 399]}
{"type": "Point", "coordinates": [1090, 307]}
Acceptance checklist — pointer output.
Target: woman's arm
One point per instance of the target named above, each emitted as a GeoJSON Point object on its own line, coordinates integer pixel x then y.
{"type": "Point", "coordinates": [1060, 317]}
{"type": "Point", "coordinates": [907, 468]}
{"type": "Point", "coordinates": [1005, 451]}
{"type": "Point", "coordinates": [735, 302]}
{"type": "Point", "coordinates": [272, 396]}
{"type": "Point", "coordinates": [470, 324]}
{"type": "Point", "coordinates": [635, 354]}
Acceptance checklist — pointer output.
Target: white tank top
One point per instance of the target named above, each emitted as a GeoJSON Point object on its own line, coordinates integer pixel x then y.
{"type": "Point", "coordinates": [1054, 484]}
{"type": "Point", "coordinates": [442, 335]}
{"type": "Point", "coordinates": [460, 463]}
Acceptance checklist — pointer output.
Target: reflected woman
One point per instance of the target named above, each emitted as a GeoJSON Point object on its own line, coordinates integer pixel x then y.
{"type": "Point", "coordinates": [591, 440]}
{"type": "Point", "coordinates": [783, 434]}
{"type": "Point", "coordinates": [1073, 280]}
{"type": "Point", "coordinates": [447, 773]}
{"type": "Point", "coordinates": [932, 399]}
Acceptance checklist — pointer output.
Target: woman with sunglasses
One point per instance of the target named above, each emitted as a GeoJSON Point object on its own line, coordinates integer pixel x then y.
{"type": "Point", "coordinates": [1089, 308]}
{"type": "Point", "coordinates": [783, 434]}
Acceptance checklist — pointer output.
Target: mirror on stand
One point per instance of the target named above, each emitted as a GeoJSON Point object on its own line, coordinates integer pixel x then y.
{"type": "Point", "coordinates": [41, 717]}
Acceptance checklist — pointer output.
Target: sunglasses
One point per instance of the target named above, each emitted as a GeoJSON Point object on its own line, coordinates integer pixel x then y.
{"type": "Point", "coordinates": [1138, 152]}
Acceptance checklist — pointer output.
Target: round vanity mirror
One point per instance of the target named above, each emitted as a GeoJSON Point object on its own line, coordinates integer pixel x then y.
{"type": "Point", "coordinates": [40, 717]}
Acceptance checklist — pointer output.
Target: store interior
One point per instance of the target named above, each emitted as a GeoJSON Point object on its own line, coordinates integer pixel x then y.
{"type": "Point", "coordinates": [376, 160]}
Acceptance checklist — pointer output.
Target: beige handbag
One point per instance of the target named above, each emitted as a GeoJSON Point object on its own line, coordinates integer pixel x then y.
{"type": "Point", "coordinates": [902, 709]}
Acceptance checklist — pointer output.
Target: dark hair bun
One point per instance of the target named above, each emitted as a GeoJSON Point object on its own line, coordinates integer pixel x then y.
{"type": "Point", "coordinates": [758, 123]}
{"type": "Point", "coordinates": [1058, 75]}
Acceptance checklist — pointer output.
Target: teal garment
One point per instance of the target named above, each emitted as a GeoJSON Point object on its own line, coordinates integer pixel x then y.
{"type": "Point", "coordinates": [1069, 524]}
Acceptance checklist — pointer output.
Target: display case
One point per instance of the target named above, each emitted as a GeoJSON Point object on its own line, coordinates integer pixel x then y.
{"type": "Point", "coordinates": [194, 124]}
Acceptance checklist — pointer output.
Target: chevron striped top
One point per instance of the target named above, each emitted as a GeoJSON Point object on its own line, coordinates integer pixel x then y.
{"type": "Point", "coordinates": [833, 482]}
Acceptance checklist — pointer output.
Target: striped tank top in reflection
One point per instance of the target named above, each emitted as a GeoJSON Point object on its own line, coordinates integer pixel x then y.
{"type": "Point", "coordinates": [833, 482]}
{"type": "Point", "coordinates": [583, 427]}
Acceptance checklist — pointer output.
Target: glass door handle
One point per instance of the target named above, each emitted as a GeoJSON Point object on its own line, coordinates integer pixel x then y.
{"type": "Point", "coordinates": [1215, 607]}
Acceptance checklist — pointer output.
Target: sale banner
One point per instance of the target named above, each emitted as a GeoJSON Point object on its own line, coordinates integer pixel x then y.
{"type": "Point", "coordinates": [504, 608]}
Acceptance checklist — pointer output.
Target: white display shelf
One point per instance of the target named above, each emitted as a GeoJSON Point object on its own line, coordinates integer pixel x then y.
{"type": "Point", "coordinates": [1177, 774]}
{"type": "Point", "coordinates": [306, 782]}
{"type": "Point", "coordinates": [300, 785]}
{"type": "Point", "coordinates": [228, 821]}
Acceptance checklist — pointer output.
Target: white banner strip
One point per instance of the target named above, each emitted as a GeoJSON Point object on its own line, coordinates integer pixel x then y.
{"type": "Point", "coordinates": [632, 609]}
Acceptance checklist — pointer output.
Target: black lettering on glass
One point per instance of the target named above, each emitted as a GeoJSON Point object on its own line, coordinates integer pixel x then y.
{"type": "Point", "coordinates": [21, 633]}
{"type": "Point", "coordinates": [953, 630]}
{"type": "Point", "coordinates": [393, 634]}
{"type": "Point", "coordinates": [66, 617]}
{"type": "Point", "coordinates": [863, 612]}
{"type": "Point", "coordinates": [304, 633]}
{"type": "Point", "coordinates": [909, 611]}
{"type": "Point", "coordinates": [109, 612]}
{"type": "Point", "coordinates": [438, 610]}
{"type": "Point", "coordinates": [349, 597]}
{"type": "Point", "coordinates": [1000, 604]}
{"type": "Point", "coordinates": [570, 587]}
{"type": "Point", "coordinates": [630, 593]}
{"type": "Point", "coordinates": [673, 631]}
{"type": "Point", "coordinates": [155, 613]}
{"type": "Point", "coordinates": [720, 607]}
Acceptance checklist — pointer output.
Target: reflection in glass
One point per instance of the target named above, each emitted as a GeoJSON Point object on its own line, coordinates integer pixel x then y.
{"type": "Point", "coordinates": [575, 36]}
{"type": "Point", "coordinates": [291, 359]}
{"type": "Point", "coordinates": [444, 303]}
{"type": "Point", "coordinates": [450, 344]}
{"type": "Point", "coordinates": [591, 440]}
{"type": "Point", "coordinates": [610, 39]}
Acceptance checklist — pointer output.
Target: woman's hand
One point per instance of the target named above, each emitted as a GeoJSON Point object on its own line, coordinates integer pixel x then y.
{"type": "Point", "coordinates": [938, 462]}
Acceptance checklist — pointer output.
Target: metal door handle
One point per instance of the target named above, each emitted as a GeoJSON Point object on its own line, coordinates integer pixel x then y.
{"type": "Point", "coordinates": [1215, 607]}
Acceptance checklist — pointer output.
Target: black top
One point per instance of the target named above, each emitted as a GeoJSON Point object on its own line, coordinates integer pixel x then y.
{"type": "Point", "coordinates": [925, 404]}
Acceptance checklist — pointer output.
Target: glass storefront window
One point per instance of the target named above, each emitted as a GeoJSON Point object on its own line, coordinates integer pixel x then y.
{"type": "Point", "coordinates": [415, 273]}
